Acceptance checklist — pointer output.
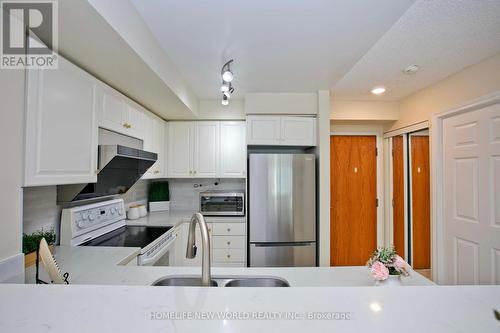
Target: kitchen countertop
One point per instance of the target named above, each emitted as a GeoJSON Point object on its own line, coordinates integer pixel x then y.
{"type": "Point", "coordinates": [77, 308]}
{"type": "Point", "coordinates": [175, 217]}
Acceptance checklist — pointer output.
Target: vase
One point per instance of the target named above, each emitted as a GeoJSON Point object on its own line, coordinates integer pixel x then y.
{"type": "Point", "coordinates": [391, 281]}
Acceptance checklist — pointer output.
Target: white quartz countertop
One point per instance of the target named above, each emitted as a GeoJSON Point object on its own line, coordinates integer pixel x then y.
{"type": "Point", "coordinates": [162, 219]}
{"type": "Point", "coordinates": [78, 308]}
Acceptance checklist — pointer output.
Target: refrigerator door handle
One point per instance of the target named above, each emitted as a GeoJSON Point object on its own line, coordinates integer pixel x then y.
{"type": "Point", "coordinates": [278, 244]}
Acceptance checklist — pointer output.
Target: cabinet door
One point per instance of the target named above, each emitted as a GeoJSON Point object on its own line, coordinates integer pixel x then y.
{"type": "Point", "coordinates": [298, 131]}
{"type": "Point", "coordinates": [154, 142]}
{"type": "Point", "coordinates": [263, 130]}
{"type": "Point", "coordinates": [206, 149]}
{"type": "Point", "coordinates": [113, 112]}
{"type": "Point", "coordinates": [61, 126]}
{"type": "Point", "coordinates": [136, 121]}
{"type": "Point", "coordinates": [180, 149]}
{"type": "Point", "coordinates": [233, 152]}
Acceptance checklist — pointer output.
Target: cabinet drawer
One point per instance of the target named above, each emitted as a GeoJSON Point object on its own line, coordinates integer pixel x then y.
{"type": "Point", "coordinates": [229, 255]}
{"type": "Point", "coordinates": [229, 229]}
{"type": "Point", "coordinates": [228, 242]}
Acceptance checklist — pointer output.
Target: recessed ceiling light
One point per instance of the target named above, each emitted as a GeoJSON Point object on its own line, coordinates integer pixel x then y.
{"type": "Point", "coordinates": [412, 69]}
{"type": "Point", "coordinates": [378, 90]}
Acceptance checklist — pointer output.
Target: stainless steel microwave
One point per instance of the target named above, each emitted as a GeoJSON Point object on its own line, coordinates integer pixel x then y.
{"type": "Point", "coordinates": [222, 203]}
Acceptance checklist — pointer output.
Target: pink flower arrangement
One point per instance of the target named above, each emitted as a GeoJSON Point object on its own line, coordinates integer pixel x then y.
{"type": "Point", "coordinates": [385, 262]}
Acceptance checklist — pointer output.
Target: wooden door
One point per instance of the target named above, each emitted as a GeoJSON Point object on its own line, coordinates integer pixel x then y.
{"type": "Point", "coordinates": [420, 199]}
{"type": "Point", "coordinates": [398, 194]}
{"type": "Point", "coordinates": [353, 188]}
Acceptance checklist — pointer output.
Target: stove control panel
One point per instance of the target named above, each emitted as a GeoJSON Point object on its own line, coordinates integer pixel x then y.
{"type": "Point", "coordinates": [76, 221]}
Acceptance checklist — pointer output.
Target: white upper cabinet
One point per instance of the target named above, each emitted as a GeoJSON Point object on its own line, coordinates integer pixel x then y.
{"type": "Point", "coordinates": [298, 131]}
{"type": "Point", "coordinates": [61, 126]}
{"type": "Point", "coordinates": [233, 154]}
{"type": "Point", "coordinates": [154, 141]}
{"type": "Point", "coordinates": [263, 130]}
{"type": "Point", "coordinates": [118, 114]}
{"type": "Point", "coordinates": [180, 149]}
{"type": "Point", "coordinates": [206, 149]}
{"type": "Point", "coordinates": [281, 130]}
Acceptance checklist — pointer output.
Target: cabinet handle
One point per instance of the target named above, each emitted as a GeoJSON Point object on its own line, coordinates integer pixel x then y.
{"type": "Point", "coordinates": [125, 125]}
{"type": "Point", "coordinates": [194, 172]}
{"type": "Point", "coordinates": [228, 229]}
{"type": "Point", "coordinates": [228, 256]}
{"type": "Point", "coordinates": [228, 243]}
{"type": "Point", "coordinates": [190, 172]}
{"type": "Point", "coordinates": [156, 171]}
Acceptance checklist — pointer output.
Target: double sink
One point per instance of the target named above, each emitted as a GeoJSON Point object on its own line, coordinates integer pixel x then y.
{"type": "Point", "coordinates": [223, 281]}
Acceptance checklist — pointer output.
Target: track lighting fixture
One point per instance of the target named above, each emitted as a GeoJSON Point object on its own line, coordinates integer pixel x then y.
{"type": "Point", "coordinates": [226, 87]}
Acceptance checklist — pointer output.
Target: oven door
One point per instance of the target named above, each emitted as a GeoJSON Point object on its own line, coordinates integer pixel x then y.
{"type": "Point", "coordinates": [218, 204]}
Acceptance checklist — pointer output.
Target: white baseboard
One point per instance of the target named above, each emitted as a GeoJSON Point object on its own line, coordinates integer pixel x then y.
{"type": "Point", "coordinates": [12, 269]}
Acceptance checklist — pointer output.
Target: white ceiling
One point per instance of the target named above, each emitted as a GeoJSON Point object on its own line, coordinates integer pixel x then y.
{"type": "Point", "coordinates": [442, 37]}
{"type": "Point", "coordinates": [278, 46]}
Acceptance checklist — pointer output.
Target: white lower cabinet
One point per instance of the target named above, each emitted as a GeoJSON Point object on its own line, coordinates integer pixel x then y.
{"type": "Point", "coordinates": [227, 243]}
{"type": "Point", "coordinates": [61, 126]}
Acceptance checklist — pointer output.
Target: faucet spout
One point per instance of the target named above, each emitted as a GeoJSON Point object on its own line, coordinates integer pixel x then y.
{"type": "Point", "coordinates": [191, 250]}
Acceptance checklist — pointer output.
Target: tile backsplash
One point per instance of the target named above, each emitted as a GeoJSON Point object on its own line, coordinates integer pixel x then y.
{"type": "Point", "coordinates": [185, 193]}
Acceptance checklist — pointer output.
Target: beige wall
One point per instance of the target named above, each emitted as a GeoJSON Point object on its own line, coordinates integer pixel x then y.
{"type": "Point", "coordinates": [364, 110]}
{"type": "Point", "coordinates": [211, 109]}
{"type": "Point", "coordinates": [473, 82]}
{"type": "Point", "coordinates": [11, 171]}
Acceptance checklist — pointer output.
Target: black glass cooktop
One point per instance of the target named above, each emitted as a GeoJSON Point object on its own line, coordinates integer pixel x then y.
{"type": "Point", "coordinates": [129, 236]}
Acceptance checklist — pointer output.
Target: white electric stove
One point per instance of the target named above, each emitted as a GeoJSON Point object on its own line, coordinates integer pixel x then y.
{"type": "Point", "coordinates": [104, 224]}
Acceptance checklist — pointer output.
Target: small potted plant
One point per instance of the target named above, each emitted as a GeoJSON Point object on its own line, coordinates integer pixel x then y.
{"type": "Point", "coordinates": [387, 267]}
{"type": "Point", "coordinates": [159, 196]}
{"type": "Point", "coordinates": [30, 244]}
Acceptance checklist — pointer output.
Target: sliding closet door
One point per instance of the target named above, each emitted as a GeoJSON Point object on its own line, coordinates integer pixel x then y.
{"type": "Point", "coordinates": [398, 194]}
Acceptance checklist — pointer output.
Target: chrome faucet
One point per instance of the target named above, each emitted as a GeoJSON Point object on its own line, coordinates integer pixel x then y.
{"type": "Point", "coordinates": [206, 276]}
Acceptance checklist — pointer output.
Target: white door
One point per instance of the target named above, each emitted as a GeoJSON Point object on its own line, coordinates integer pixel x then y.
{"type": "Point", "coordinates": [61, 126]}
{"type": "Point", "coordinates": [233, 153]}
{"type": "Point", "coordinates": [206, 149]}
{"type": "Point", "coordinates": [135, 121]}
{"type": "Point", "coordinates": [263, 130]}
{"type": "Point", "coordinates": [471, 197]}
{"type": "Point", "coordinates": [180, 149]}
{"type": "Point", "coordinates": [298, 131]}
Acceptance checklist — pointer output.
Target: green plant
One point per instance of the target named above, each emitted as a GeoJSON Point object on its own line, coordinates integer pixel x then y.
{"type": "Point", "coordinates": [30, 242]}
{"type": "Point", "coordinates": [158, 191]}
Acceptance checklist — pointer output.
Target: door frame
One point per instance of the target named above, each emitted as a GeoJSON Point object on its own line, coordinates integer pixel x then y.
{"type": "Point", "coordinates": [380, 179]}
{"type": "Point", "coordinates": [389, 183]}
{"type": "Point", "coordinates": [437, 179]}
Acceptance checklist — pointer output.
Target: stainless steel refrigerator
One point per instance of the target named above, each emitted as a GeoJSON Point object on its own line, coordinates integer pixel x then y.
{"type": "Point", "coordinates": [282, 210]}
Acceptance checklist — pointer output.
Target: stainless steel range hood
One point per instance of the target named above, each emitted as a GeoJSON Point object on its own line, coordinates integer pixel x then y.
{"type": "Point", "coordinates": [120, 167]}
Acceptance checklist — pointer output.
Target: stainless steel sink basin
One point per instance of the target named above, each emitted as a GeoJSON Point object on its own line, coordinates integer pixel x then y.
{"type": "Point", "coordinates": [257, 282]}
{"type": "Point", "coordinates": [223, 281]}
{"type": "Point", "coordinates": [181, 281]}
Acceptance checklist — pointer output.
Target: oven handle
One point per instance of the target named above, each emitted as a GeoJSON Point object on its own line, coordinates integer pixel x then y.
{"type": "Point", "coordinates": [151, 261]}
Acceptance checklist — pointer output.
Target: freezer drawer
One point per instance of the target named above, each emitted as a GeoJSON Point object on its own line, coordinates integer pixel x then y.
{"type": "Point", "coordinates": [283, 254]}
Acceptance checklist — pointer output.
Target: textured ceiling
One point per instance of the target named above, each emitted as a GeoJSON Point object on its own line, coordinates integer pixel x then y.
{"type": "Point", "coordinates": [278, 46]}
{"type": "Point", "coordinates": [441, 36]}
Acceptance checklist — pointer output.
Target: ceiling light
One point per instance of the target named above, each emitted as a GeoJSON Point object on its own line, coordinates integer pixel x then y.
{"type": "Point", "coordinates": [378, 90]}
{"type": "Point", "coordinates": [227, 75]}
{"type": "Point", "coordinates": [226, 88]}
